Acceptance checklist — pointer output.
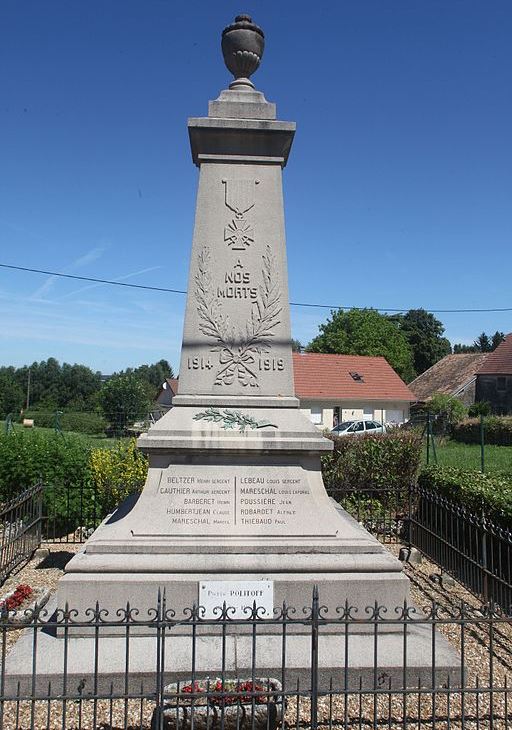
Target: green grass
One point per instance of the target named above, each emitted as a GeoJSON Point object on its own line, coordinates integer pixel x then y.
{"type": "Point", "coordinates": [97, 440]}
{"type": "Point", "coordinates": [467, 456]}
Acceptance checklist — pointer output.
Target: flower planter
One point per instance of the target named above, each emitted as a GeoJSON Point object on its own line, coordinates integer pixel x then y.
{"type": "Point", "coordinates": [28, 610]}
{"type": "Point", "coordinates": [212, 705]}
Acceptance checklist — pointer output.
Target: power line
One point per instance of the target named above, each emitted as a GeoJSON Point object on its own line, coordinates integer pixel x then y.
{"type": "Point", "coordinates": [92, 278]}
{"type": "Point", "coordinates": [293, 304]}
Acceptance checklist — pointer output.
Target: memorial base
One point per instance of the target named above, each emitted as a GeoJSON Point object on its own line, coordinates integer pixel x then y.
{"type": "Point", "coordinates": [365, 659]}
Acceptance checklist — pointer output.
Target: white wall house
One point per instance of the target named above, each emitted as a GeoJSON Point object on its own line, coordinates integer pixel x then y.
{"type": "Point", "coordinates": [336, 388]}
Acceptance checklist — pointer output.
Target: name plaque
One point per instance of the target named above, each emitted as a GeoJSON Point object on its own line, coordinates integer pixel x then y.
{"type": "Point", "coordinates": [239, 596]}
{"type": "Point", "coordinates": [236, 501]}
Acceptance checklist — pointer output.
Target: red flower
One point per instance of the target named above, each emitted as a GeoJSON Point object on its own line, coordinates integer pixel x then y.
{"type": "Point", "coordinates": [21, 593]}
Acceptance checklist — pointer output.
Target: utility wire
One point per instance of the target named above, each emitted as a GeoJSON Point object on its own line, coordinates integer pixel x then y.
{"type": "Point", "coordinates": [293, 304]}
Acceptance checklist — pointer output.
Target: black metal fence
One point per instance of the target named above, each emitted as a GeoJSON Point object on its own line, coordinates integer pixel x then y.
{"type": "Point", "coordinates": [474, 550]}
{"type": "Point", "coordinates": [171, 667]}
{"type": "Point", "coordinates": [468, 546]}
{"type": "Point", "coordinates": [20, 529]}
{"type": "Point", "coordinates": [71, 512]}
{"type": "Point", "coordinates": [471, 548]}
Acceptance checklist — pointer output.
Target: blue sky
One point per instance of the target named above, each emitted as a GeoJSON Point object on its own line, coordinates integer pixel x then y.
{"type": "Point", "coordinates": [397, 192]}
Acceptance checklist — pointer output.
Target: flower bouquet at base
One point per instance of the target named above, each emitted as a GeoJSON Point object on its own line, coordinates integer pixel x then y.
{"type": "Point", "coordinates": [208, 704]}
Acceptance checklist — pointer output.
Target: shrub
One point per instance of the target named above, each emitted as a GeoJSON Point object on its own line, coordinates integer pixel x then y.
{"type": "Point", "coordinates": [497, 431]}
{"type": "Point", "coordinates": [60, 461]}
{"type": "Point", "coordinates": [487, 494]}
{"type": "Point", "coordinates": [117, 472]}
{"type": "Point", "coordinates": [480, 408]}
{"type": "Point", "coordinates": [90, 423]}
{"type": "Point", "coordinates": [386, 461]}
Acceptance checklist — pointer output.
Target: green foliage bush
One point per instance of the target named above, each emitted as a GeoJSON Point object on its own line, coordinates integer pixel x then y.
{"type": "Point", "coordinates": [117, 472]}
{"type": "Point", "coordinates": [90, 423]}
{"type": "Point", "coordinates": [386, 461]}
{"type": "Point", "coordinates": [480, 408]}
{"type": "Point", "coordinates": [61, 462]}
{"type": "Point", "coordinates": [82, 483]}
{"type": "Point", "coordinates": [497, 431]}
{"type": "Point", "coordinates": [448, 407]}
{"type": "Point", "coordinates": [488, 494]}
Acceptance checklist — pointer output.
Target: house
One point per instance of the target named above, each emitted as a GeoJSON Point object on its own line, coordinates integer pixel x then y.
{"type": "Point", "coordinates": [167, 392]}
{"type": "Point", "coordinates": [453, 375]}
{"type": "Point", "coordinates": [336, 388]}
{"type": "Point", "coordinates": [494, 379]}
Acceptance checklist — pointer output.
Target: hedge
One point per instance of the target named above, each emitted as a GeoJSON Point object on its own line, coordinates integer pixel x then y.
{"type": "Point", "coordinates": [62, 461]}
{"type": "Point", "coordinates": [90, 423]}
{"type": "Point", "coordinates": [487, 494]}
{"type": "Point", "coordinates": [497, 431]}
{"type": "Point", "coordinates": [83, 483]}
{"type": "Point", "coordinates": [28, 456]}
{"type": "Point", "coordinates": [387, 461]}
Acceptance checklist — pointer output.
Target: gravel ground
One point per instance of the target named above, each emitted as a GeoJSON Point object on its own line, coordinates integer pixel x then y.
{"type": "Point", "coordinates": [480, 708]}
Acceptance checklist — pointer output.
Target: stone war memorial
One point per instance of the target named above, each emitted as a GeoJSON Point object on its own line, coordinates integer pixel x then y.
{"type": "Point", "coordinates": [234, 510]}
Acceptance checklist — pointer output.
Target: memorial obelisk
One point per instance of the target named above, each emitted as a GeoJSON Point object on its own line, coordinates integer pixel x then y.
{"type": "Point", "coordinates": [234, 490]}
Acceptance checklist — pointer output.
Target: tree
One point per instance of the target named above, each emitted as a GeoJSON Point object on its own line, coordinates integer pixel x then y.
{"type": "Point", "coordinates": [123, 399]}
{"type": "Point", "coordinates": [424, 334]}
{"type": "Point", "coordinates": [297, 346]}
{"type": "Point", "coordinates": [79, 387]}
{"type": "Point", "coordinates": [11, 394]}
{"type": "Point", "coordinates": [365, 332]}
{"type": "Point", "coordinates": [152, 375]}
{"type": "Point", "coordinates": [460, 349]}
{"type": "Point", "coordinates": [483, 343]}
{"type": "Point", "coordinates": [497, 339]}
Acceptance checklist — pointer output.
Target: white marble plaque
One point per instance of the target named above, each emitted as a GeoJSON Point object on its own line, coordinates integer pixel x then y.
{"type": "Point", "coordinates": [239, 595]}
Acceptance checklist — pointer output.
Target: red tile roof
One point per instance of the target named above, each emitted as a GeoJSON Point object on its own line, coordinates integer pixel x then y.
{"type": "Point", "coordinates": [321, 377]}
{"type": "Point", "coordinates": [499, 362]}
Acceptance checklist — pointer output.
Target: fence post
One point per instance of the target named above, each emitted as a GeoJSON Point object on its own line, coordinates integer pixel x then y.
{"type": "Point", "coordinates": [485, 576]}
{"type": "Point", "coordinates": [428, 438]}
{"type": "Point", "coordinates": [409, 517]}
{"type": "Point", "coordinates": [314, 660]}
{"type": "Point", "coordinates": [482, 444]}
{"type": "Point", "coordinates": [40, 514]}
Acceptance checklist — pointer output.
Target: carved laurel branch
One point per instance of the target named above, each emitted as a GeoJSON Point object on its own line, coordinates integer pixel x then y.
{"type": "Point", "coordinates": [231, 419]}
{"type": "Point", "coordinates": [238, 346]}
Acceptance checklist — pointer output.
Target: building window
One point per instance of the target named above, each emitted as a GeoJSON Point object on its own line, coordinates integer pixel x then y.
{"type": "Point", "coordinates": [316, 415]}
{"type": "Point", "coordinates": [501, 383]}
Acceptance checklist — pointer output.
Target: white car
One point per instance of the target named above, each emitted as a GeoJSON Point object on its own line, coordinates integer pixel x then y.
{"type": "Point", "coordinates": [358, 428]}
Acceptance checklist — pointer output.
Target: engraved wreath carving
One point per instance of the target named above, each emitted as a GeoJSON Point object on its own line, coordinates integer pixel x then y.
{"type": "Point", "coordinates": [238, 346]}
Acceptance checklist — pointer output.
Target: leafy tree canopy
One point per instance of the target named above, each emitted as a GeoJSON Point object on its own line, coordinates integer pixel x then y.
{"type": "Point", "coordinates": [152, 375]}
{"type": "Point", "coordinates": [68, 387]}
{"type": "Point", "coordinates": [424, 334]}
{"type": "Point", "coordinates": [365, 332]}
{"type": "Point", "coordinates": [55, 386]}
{"type": "Point", "coordinates": [11, 394]}
{"type": "Point", "coordinates": [123, 399]}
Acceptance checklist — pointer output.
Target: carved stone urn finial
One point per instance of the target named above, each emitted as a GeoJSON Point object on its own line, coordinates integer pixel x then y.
{"type": "Point", "coordinates": [242, 47]}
